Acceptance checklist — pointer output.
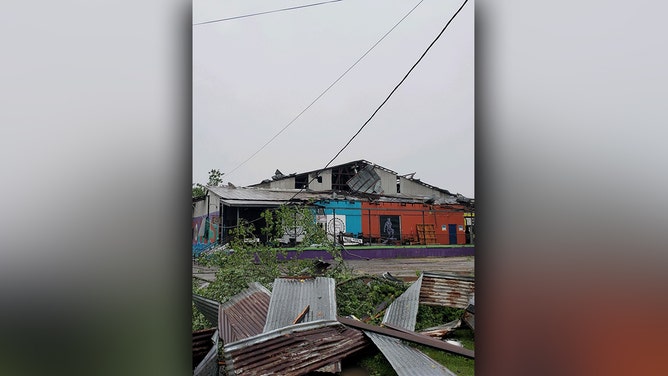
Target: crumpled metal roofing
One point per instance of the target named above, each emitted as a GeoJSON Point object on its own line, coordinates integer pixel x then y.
{"type": "Point", "coordinates": [293, 350]}
{"type": "Point", "coordinates": [469, 319]}
{"type": "Point", "coordinates": [208, 366]}
{"type": "Point", "coordinates": [406, 360]}
{"type": "Point", "coordinates": [244, 314]}
{"type": "Point", "coordinates": [403, 311]}
{"type": "Point", "coordinates": [290, 297]}
{"type": "Point", "coordinates": [449, 290]}
{"type": "Point", "coordinates": [367, 181]}
{"type": "Point", "coordinates": [208, 307]}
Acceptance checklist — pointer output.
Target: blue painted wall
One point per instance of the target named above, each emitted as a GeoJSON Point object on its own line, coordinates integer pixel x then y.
{"type": "Point", "coordinates": [352, 211]}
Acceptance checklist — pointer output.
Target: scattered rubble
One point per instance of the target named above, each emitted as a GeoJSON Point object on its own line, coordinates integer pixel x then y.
{"type": "Point", "coordinates": [205, 352]}
{"type": "Point", "coordinates": [441, 330]}
{"type": "Point", "coordinates": [295, 330]}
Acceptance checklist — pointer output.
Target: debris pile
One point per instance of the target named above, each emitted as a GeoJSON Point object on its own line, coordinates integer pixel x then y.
{"type": "Point", "coordinates": [205, 352]}
{"type": "Point", "coordinates": [295, 330]}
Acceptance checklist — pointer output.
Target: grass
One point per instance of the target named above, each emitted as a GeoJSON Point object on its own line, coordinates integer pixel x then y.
{"type": "Point", "coordinates": [428, 316]}
{"type": "Point", "coordinates": [458, 364]}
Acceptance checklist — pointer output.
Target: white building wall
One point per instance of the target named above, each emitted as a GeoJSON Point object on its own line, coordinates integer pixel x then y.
{"type": "Point", "coordinates": [388, 181]}
{"type": "Point", "coordinates": [409, 187]}
{"type": "Point", "coordinates": [200, 208]}
{"type": "Point", "coordinates": [326, 184]}
{"type": "Point", "coordinates": [287, 183]}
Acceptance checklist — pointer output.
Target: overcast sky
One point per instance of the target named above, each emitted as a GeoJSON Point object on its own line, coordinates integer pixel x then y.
{"type": "Point", "coordinates": [252, 76]}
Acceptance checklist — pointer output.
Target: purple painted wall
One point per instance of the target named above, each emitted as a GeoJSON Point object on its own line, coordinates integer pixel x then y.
{"type": "Point", "coordinates": [387, 253]}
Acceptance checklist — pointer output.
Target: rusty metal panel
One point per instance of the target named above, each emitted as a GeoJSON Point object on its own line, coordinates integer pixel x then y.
{"type": "Point", "coordinates": [209, 365]}
{"type": "Point", "coordinates": [290, 296]}
{"type": "Point", "coordinates": [403, 311]}
{"type": "Point", "coordinates": [442, 330]}
{"type": "Point", "coordinates": [203, 342]}
{"type": "Point", "coordinates": [449, 290]}
{"type": "Point", "coordinates": [208, 307]}
{"type": "Point", "coordinates": [244, 315]}
{"type": "Point", "coordinates": [293, 350]}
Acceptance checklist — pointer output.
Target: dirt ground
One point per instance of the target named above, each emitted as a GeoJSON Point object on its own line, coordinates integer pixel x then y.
{"type": "Point", "coordinates": [409, 267]}
{"type": "Point", "coordinates": [404, 268]}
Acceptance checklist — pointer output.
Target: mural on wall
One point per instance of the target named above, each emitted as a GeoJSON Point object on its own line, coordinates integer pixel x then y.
{"type": "Point", "coordinates": [390, 227]}
{"type": "Point", "coordinates": [205, 230]}
{"type": "Point", "coordinates": [336, 225]}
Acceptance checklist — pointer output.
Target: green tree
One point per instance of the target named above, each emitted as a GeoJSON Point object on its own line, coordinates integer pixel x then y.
{"type": "Point", "coordinates": [198, 190]}
{"type": "Point", "coordinates": [215, 180]}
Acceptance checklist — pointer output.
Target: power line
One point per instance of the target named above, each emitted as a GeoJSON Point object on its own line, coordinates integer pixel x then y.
{"type": "Point", "coordinates": [269, 11]}
{"type": "Point", "coordinates": [326, 90]}
{"type": "Point", "coordinates": [385, 101]}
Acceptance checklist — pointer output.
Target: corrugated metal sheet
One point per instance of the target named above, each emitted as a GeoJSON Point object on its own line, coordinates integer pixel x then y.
{"type": "Point", "coordinates": [442, 330]}
{"type": "Point", "coordinates": [208, 307]}
{"type": "Point", "coordinates": [202, 343]}
{"type": "Point", "coordinates": [290, 296]}
{"type": "Point", "coordinates": [293, 350]}
{"type": "Point", "coordinates": [244, 315]}
{"type": "Point", "coordinates": [209, 365]}
{"type": "Point", "coordinates": [469, 319]}
{"type": "Point", "coordinates": [403, 311]}
{"type": "Point", "coordinates": [406, 360]}
{"type": "Point", "coordinates": [449, 290]}
{"type": "Point", "coordinates": [366, 181]}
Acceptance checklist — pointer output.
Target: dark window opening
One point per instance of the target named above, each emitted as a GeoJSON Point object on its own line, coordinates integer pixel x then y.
{"type": "Point", "coordinates": [341, 176]}
{"type": "Point", "coordinates": [301, 181]}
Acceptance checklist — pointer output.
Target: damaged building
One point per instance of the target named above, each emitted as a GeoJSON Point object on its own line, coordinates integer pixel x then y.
{"type": "Point", "coordinates": [366, 203]}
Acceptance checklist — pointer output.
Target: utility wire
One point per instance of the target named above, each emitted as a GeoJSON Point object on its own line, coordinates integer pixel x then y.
{"type": "Point", "coordinates": [383, 103]}
{"type": "Point", "coordinates": [325, 91]}
{"type": "Point", "coordinates": [269, 11]}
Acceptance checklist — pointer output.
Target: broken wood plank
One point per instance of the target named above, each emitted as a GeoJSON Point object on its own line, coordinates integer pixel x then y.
{"type": "Point", "coordinates": [301, 315]}
{"type": "Point", "coordinates": [409, 336]}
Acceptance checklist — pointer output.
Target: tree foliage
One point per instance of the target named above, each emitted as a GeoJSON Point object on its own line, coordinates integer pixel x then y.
{"type": "Point", "coordinates": [215, 180]}
{"type": "Point", "coordinates": [244, 259]}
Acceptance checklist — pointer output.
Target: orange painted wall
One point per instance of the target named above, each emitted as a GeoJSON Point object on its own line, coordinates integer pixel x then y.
{"type": "Point", "coordinates": [411, 216]}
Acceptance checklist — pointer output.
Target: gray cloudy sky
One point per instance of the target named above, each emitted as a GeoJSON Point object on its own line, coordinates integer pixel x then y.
{"type": "Point", "coordinates": [252, 76]}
